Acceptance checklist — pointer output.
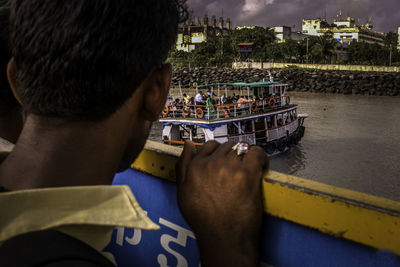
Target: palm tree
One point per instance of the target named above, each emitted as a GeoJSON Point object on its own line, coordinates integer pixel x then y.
{"type": "Point", "coordinates": [324, 48]}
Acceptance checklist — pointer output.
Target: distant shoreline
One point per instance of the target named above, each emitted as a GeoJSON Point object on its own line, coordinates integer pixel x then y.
{"type": "Point", "coordinates": [299, 80]}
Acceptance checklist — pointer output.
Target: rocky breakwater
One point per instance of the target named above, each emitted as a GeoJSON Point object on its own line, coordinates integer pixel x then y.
{"type": "Point", "coordinates": [340, 82]}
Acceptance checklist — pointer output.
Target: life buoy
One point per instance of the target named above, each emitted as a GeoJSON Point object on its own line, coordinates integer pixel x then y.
{"type": "Point", "coordinates": [272, 103]}
{"type": "Point", "coordinates": [165, 111]}
{"type": "Point", "coordinates": [253, 106]}
{"type": "Point", "coordinates": [199, 113]}
{"type": "Point", "coordinates": [186, 111]}
{"type": "Point", "coordinates": [287, 100]}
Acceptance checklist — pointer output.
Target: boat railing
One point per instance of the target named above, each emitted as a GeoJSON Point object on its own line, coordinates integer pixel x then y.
{"type": "Point", "coordinates": [224, 111]}
{"type": "Point", "coordinates": [248, 138]}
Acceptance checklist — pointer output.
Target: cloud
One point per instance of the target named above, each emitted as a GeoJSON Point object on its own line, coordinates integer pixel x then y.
{"type": "Point", "coordinates": [252, 8]}
{"type": "Point", "coordinates": [384, 14]}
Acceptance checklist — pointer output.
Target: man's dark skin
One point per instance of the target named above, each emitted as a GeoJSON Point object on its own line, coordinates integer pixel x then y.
{"type": "Point", "coordinates": [219, 193]}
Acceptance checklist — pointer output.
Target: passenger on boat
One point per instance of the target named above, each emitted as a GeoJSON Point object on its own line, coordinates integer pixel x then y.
{"type": "Point", "coordinates": [209, 106]}
{"type": "Point", "coordinates": [223, 99]}
{"type": "Point", "coordinates": [210, 94]}
{"type": "Point", "coordinates": [89, 115]}
{"type": "Point", "coordinates": [199, 98]}
{"type": "Point", "coordinates": [242, 100]}
{"type": "Point", "coordinates": [186, 99]}
{"type": "Point", "coordinates": [10, 110]}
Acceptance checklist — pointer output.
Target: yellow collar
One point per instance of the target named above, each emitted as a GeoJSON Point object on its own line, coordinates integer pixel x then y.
{"type": "Point", "coordinates": [5, 146]}
{"type": "Point", "coordinates": [99, 206]}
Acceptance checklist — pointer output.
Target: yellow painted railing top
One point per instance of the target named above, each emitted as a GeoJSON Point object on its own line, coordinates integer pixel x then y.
{"type": "Point", "coordinates": [363, 218]}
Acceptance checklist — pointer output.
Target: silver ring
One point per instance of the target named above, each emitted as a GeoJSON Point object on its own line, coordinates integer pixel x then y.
{"type": "Point", "coordinates": [241, 148]}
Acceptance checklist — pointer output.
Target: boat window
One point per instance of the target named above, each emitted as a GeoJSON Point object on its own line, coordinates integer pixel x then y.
{"type": "Point", "coordinates": [271, 122]}
{"type": "Point", "coordinates": [287, 118]}
{"type": "Point", "coordinates": [280, 119]}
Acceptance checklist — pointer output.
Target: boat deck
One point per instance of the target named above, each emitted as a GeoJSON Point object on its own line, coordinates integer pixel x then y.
{"type": "Point", "coordinates": [216, 113]}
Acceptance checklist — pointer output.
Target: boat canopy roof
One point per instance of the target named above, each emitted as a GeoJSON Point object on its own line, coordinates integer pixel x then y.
{"type": "Point", "coordinates": [256, 84]}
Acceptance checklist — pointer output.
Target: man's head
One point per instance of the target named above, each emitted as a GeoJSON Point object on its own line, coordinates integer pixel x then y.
{"type": "Point", "coordinates": [95, 68]}
{"type": "Point", "coordinates": [81, 60]}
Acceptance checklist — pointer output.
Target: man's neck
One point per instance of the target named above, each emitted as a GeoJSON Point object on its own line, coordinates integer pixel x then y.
{"type": "Point", "coordinates": [67, 155]}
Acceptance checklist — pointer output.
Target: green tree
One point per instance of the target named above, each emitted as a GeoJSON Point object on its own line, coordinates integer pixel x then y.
{"type": "Point", "coordinates": [216, 51]}
{"type": "Point", "coordinates": [274, 52]}
{"type": "Point", "coordinates": [324, 48]}
{"type": "Point", "coordinates": [305, 46]}
{"type": "Point", "coordinates": [291, 50]}
{"type": "Point", "coordinates": [368, 54]}
{"type": "Point", "coordinates": [261, 38]}
{"type": "Point", "coordinates": [390, 41]}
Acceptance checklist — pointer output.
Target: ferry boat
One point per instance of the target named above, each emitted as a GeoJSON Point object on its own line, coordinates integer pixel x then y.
{"type": "Point", "coordinates": [265, 116]}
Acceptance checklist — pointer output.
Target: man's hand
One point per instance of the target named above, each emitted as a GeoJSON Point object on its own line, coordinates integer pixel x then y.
{"type": "Point", "coordinates": [219, 194]}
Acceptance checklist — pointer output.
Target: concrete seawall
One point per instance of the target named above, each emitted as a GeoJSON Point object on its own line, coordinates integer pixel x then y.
{"type": "Point", "coordinates": [269, 65]}
{"type": "Point", "coordinates": [303, 80]}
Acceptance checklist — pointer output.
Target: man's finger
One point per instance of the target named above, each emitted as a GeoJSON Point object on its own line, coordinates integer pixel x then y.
{"type": "Point", "coordinates": [189, 151]}
{"type": "Point", "coordinates": [225, 148]}
{"type": "Point", "coordinates": [208, 148]}
{"type": "Point", "coordinates": [256, 156]}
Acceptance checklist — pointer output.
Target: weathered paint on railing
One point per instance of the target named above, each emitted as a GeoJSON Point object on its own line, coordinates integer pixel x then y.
{"type": "Point", "coordinates": [355, 216]}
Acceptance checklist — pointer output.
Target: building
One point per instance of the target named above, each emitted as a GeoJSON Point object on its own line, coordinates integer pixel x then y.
{"type": "Point", "coordinates": [398, 42]}
{"type": "Point", "coordinates": [192, 33]}
{"type": "Point", "coordinates": [245, 51]}
{"type": "Point", "coordinates": [283, 33]}
{"type": "Point", "coordinates": [313, 27]}
{"type": "Point", "coordinates": [345, 31]}
{"type": "Point", "coordinates": [245, 27]}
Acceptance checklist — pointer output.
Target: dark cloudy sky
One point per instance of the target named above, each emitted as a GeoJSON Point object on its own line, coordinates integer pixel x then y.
{"type": "Point", "coordinates": [384, 14]}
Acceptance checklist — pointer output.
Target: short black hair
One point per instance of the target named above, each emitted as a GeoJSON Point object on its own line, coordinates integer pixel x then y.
{"type": "Point", "coordinates": [7, 99]}
{"type": "Point", "coordinates": [81, 59]}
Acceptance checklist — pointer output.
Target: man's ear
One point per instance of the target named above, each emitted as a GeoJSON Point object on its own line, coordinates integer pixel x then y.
{"type": "Point", "coordinates": [12, 74]}
{"type": "Point", "coordinates": [156, 93]}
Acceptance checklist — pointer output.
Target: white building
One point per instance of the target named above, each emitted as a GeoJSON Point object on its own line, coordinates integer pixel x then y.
{"type": "Point", "coordinates": [191, 33]}
{"type": "Point", "coordinates": [398, 42]}
{"type": "Point", "coordinates": [283, 33]}
{"type": "Point", "coordinates": [345, 31]}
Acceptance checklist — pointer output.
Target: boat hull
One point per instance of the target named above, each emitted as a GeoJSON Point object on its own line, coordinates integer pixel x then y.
{"type": "Point", "coordinates": [283, 243]}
